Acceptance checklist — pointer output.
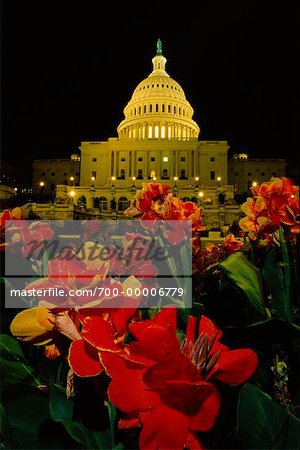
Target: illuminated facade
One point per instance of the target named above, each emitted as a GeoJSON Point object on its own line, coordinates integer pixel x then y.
{"type": "Point", "coordinates": [157, 140]}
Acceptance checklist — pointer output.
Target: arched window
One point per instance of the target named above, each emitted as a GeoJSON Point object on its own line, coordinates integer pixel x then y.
{"type": "Point", "coordinates": [145, 108]}
{"type": "Point", "coordinates": [134, 111]}
{"type": "Point", "coordinates": [139, 174]}
{"type": "Point", "coordinates": [156, 131]}
{"type": "Point", "coordinates": [182, 173]}
{"type": "Point", "coordinates": [150, 132]}
{"type": "Point", "coordinates": [156, 107]}
{"type": "Point", "coordinates": [163, 132]}
{"type": "Point", "coordinates": [150, 108]}
{"type": "Point", "coordinates": [122, 174]}
{"type": "Point", "coordinates": [123, 203]}
{"type": "Point", "coordinates": [102, 202]}
{"type": "Point", "coordinates": [163, 108]}
{"type": "Point", "coordinates": [140, 110]}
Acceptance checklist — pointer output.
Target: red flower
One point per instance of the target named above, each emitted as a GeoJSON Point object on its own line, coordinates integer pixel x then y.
{"type": "Point", "coordinates": [213, 359]}
{"type": "Point", "coordinates": [274, 203]}
{"type": "Point", "coordinates": [158, 388]}
{"type": "Point", "coordinates": [102, 330]}
{"type": "Point", "coordinates": [154, 202]}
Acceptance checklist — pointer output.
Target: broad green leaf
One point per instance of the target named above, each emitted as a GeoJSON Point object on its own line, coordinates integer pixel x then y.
{"type": "Point", "coordinates": [61, 408]}
{"type": "Point", "coordinates": [247, 278]}
{"type": "Point", "coordinates": [272, 274]}
{"type": "Point", "coordinates": [27, 412]}
{"type": "Point", "coordinates": [14, 367]}
{"type": "Point", "coordinates": [90, 439]}
{"type": "Point", "coordinates": [263, 424]}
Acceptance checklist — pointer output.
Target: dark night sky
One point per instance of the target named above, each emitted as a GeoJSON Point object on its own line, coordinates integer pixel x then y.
{"type": "Point", "coordinates": [69, 68]}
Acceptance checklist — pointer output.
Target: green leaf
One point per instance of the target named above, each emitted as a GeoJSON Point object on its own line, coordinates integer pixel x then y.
{"type": "Point", "coordinates": [247, 278]}
{"type": "Point", "coordinates": [27, 412]}
{"type": "Point", "coordinates": [263, 424]}
{"type": "Point", "coordinates": [112, 418]}
{"type": "Point", "coordinates": [89, 438]}
{"type": "Point", "coordinates": [14, 367]}
{"type": "Point", "coordinates": [272, 274]}
{"type": "Point", "coordinates": [61, 408]}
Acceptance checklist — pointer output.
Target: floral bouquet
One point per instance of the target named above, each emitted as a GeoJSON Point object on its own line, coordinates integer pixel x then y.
{"type": "Point", "coordinates": [149, 339]}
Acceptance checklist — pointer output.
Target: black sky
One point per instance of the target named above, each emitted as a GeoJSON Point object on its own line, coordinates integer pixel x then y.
{"type": "Point", "coordinates": [69, 68]}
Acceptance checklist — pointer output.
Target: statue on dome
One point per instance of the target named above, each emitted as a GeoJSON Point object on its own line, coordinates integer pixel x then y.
{"type": "Point", "coordinates": [159, 47]}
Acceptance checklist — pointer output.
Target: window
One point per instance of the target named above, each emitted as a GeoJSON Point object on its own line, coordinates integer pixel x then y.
{"type": "Point", "coordinates": [152, 158]}
{"type": "Point", "coordinates": [182, 158]}
{"type": "Point", "coordinates": [263, 174]}
{"type": "Point", "coordinates": [94, 173]}
{"type": "Point", "coordinates": [212, 175]}
{"type": "Point", "coordinates": [273, 174]}
{"type": "Point", "coordinates": [163, 108]}
{"type": "Point", "coordinates": [122, 159]}
{"type": "Point", "coordinates": [165, 173]}
{"type": "Point", "coordinates": [43, 174]}
{"type": "Point", "coordinates": [212, 159]}
{"type": "Point", "coordinates": [140, 106]}
{"type": "Point", "coordinates": [145, 107]}
{"type": "Point", "coordinates": [140, 158]}
{"type": "Point", "coordinates": [156, 107]}
{"type": "Point", "coordinates": [165, 159]}
{"type": "Point", "coordinates": [140, 174]}
{"type": "Point", "coordinates": [150, 108]}
{"type": "Point", "coordinates": [65, 174]}
{"type": "Point", "coordinates": [76, 173]}
{"type": "Point", "coordinates": [123, 203]}
{"type": "Point", "coordinates": [102, 202]}
{"type": "Point", "coordinates": [122, 173]}
{"type": "Point", "coordinates": [182, 173]}
{"type": "Point", "coordinates": [94, 159]}
{"type": "Point", "coordinates": [249, 174]}
{"type": "Point", "coordinates": [169, 108]}
{"type": "Point", "coordinates": [52, 174]}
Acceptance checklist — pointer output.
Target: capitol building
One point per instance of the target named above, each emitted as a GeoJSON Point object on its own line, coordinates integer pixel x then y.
{"type": "Point", "coordinates": [157, 141]}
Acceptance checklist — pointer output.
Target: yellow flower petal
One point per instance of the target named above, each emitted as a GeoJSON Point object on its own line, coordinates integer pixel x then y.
{"type": "Point", "coordinates": [32, 324]}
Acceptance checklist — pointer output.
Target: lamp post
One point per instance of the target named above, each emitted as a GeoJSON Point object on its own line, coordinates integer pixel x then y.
{"type": "Point", "coordinates": [133, 186]}
{"type": "Point", "coordinates": [201, 197]}
{"type": "Point", "coordinates": [113, 193]}
{"type": "Point", "coordinates": [175, 189]}
{"type": "Point", "coordinates": [72, 195]}
{"type": "Point", "coordinates": [196, 185]}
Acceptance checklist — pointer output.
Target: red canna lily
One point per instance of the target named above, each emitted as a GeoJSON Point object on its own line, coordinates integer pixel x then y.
{"type": "Point", "coordinates": [158, 388]}
{"type": "Point", "coordinates": [155, 202]}
{"type": "Point", "coordinates": [213, 359]}
{"type": "Point", "coordinates": [274, 202]}
{"type": "Point", "coordinates": [102, 330]}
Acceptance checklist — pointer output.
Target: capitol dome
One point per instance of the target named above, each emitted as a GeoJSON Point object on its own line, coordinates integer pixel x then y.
{"type": "Point", "coordinates": [158, 108]}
